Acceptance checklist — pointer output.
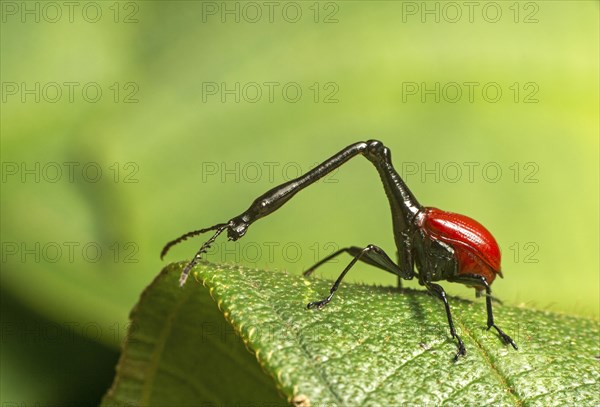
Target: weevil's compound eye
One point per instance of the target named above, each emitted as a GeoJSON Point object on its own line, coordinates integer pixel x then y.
{"type": "Point", "coordinates": [236, 228]}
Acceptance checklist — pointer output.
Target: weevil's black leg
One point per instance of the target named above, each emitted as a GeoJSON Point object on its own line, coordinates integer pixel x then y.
{"type": "Point", "coordinates": [374, 258]}
{"type": "Point", "coordinates": [488, 301]}
{"type": "Point", "coordinates": [371, 254]}
{"type": "Point", "coordinates": [352, 250]}
{"type": "Point", "coordinates": [439, 292]}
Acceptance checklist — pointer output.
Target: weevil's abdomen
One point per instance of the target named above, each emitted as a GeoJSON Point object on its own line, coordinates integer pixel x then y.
{"type": "Point", "coordinates": [476, 249]}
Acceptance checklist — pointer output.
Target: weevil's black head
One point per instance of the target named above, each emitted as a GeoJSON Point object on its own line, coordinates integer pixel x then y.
{"type": "Point", "coordinates": [376, 151]}
{"type": "Point", "coordinates": [236, 228]}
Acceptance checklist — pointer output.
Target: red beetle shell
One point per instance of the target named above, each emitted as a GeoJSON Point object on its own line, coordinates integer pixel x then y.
{"type": "Point", "coordinates": [476, 249]}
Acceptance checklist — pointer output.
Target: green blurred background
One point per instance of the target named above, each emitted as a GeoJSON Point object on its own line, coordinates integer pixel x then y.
{"type": "Point", "coordinates": [177, 152]}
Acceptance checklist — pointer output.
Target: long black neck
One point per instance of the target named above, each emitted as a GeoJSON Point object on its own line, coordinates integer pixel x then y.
{"type": "Point", "coordinates": [402, 202]}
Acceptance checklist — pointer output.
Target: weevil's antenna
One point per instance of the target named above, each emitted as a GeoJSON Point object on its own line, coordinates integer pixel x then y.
{"type": "Point", "coordinates": [184, 274]}
{"type": "Point", "coordinates": [187, 236]}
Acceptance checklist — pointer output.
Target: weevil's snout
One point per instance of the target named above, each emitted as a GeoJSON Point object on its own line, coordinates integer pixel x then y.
{"type": "Point", "coordinates": [236, 228]}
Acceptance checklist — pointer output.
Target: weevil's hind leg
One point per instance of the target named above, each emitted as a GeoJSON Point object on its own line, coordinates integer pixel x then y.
{"type": "Point", "coordinates": [377, 259]}
{"type": "Point", "coordinates": [439, 292]}
{"type": "Point", "coordinates": [490, 320]}
{"type": "Point", "coordinates": [371, 254]}
{"type": "Point", "coordinates": [488, 301]}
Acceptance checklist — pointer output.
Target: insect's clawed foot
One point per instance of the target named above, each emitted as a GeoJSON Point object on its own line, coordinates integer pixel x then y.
{"type": "Point", "coordinates": [318, 304]}
{"type": "Point", "coordinates": [461, 348]}
{"type": "Point", "coordinates": [308, 272]}
{"type": "Point", "coordinates": [505, 338]}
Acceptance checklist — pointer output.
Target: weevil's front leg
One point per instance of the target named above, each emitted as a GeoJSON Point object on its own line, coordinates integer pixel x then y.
{"type": "Point", "coordinates": [371, 254]}
{"type": "Point", "coordinates": [376, 258]}
{"type": "Point", "coordinates": [480, 280]}
{"type": "Point", "coordinates": [352, 250]}
{"type": "Point", "coordinates": [439, 292]}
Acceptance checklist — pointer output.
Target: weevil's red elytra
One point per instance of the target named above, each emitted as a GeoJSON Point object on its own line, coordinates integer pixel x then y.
{"type": "Point", "coordinates": [476, 249]}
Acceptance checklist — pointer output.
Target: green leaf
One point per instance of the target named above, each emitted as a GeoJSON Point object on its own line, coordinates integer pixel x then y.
{"type": "Point", "coordinates": [369, 346]}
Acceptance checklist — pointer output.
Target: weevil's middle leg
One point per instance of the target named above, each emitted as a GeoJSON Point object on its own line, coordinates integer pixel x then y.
{"type": "Point", "coordinates": [371, 254]}
{"type": "Point", "coordinates": [439, 292]}
{"type": "Point", "coordinates": [376, 258]}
